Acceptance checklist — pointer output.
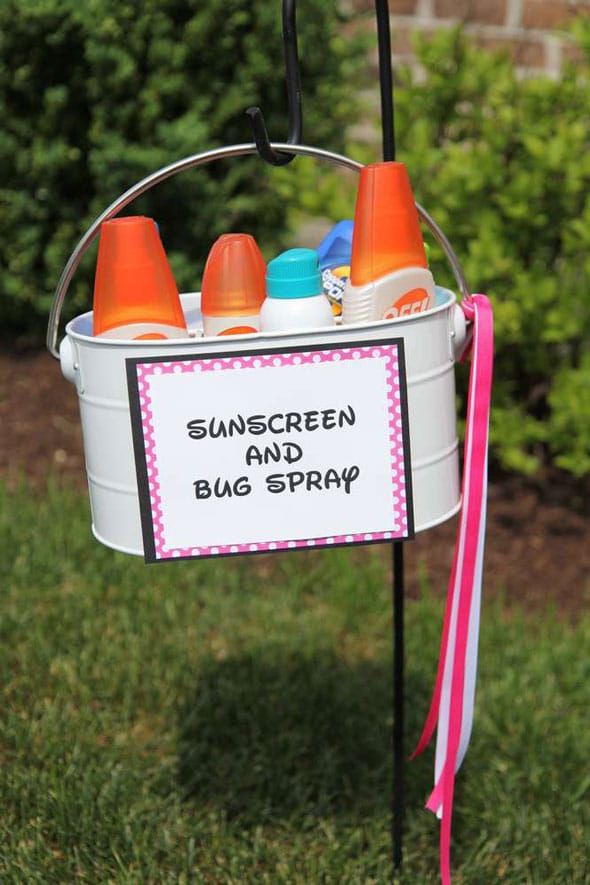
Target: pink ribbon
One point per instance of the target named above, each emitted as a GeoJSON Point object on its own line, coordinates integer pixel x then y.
{"type": "Point", "coordinates": [453, 698]}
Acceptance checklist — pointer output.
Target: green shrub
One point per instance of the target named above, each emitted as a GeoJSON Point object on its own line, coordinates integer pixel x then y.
{"type": "Point", "coordinates": [95, 95]}
{"type": "Point", "coordinates": [503, 165]}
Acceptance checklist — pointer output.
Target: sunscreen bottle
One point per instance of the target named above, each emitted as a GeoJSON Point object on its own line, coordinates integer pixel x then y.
{"type": "Point", "coordinates": [135, 294]}
{"type": "Point", "coordinates": [294, 296]}
{"type": "Point", "coordinates": [389, 274]}
{"type": "Point", "coordinates": [233, 286]}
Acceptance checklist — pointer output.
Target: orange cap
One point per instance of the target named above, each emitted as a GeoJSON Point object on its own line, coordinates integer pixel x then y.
{"type": "Point", "coordinates": [386, 234]}
{"type": "Point", "coordinates": [133, 282]}
{"type": "Point", "coordinates": [233, 279]}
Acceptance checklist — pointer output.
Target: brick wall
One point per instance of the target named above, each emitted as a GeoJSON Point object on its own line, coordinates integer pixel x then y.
{"type": "Point", "coordinates": [532, 31]}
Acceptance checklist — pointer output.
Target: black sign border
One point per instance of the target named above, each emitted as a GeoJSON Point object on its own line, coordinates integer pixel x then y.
{"type": "Point", "coordinates": [143, 489]}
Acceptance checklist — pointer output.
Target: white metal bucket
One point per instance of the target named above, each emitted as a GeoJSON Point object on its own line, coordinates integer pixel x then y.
{"type": "Point", "coordinates": [433, 340]}
{"type": "Point", "coordinates": [97, 368]}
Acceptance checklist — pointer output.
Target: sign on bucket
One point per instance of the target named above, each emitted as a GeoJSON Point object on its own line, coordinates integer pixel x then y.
{"type": "Point", "coordinates": [250, 451]}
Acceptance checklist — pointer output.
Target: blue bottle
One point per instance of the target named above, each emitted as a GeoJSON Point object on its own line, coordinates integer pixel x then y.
{"type": "Point", "coordinates": [334, 254]}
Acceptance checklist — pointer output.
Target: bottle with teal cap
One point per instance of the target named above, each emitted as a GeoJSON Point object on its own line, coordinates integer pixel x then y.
{"type": "Point", "coordinates": [294, 295]}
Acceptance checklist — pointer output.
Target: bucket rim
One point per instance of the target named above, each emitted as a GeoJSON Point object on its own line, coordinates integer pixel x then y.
{"type": "Point", "coordinates": [146, 345]}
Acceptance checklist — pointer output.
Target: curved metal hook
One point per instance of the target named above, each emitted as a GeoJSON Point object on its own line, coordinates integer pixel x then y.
{"type": "Point", "coordinates": [293, 81]}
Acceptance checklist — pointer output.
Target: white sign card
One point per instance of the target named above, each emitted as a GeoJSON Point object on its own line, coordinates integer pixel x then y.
{"type": "Point", "coordinates": [249, 451]}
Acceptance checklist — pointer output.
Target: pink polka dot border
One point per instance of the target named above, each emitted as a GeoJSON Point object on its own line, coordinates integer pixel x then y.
{"type": "Point", "coordinates": [389, 352]}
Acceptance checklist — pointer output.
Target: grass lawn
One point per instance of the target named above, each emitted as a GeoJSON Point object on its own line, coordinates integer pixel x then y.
{"type": "Point", "coordinates": [230, 721]}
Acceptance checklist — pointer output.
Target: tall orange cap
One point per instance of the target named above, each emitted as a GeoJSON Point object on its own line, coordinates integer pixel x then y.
{"type": "Point", "coordinates": [386, 234]}
{"type": "Point", "coordinates": [133, 282]}
{"type": "Point", "coordinates": [234, 277]}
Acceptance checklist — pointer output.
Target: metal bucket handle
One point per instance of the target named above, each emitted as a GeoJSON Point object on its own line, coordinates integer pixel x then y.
{"type": "Point", "coordinates": [237, 150]}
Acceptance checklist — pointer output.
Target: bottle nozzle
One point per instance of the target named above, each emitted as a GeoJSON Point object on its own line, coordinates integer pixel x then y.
{"type": "Point", "coordinates": [134, 282]}
{"type": "Point", "coordinates": [386, 234]}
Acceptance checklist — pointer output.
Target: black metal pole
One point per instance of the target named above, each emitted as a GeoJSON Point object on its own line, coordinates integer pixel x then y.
{"type": "Point", "coordinates": [398, 791]}
{"type": "Point", "coordinates": [385, 79]}
{"type": "Point", "coordinates": [398, 695]}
